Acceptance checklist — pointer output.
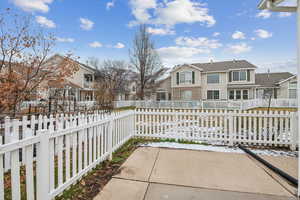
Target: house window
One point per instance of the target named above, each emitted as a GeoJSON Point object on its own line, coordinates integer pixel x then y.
{"type": "Point", "coordinates": [238, 94]}
{"type": "Point", "coordinates": [231, 94]}
{"type": "Point", "coordinates": [293, 90]}
{"type": "Point", "coordinates": [245, 94]}
{"type": "Point", "coordinates": [186, 95]}
{"type": "Point", "coordinates": [161, 96]}
{"type": "Point", "coordinates": [213, 94]}
{"type": "Point", "coordinates": [292, 93]}
{"type": "Point", "coordinates": [239, 75]}
{"type": "Point", "coordinates": [88, 78]}
{"type": "Point", "coordinates": [213, 78]}
{"type": "Point", "coordinates": [186, 77]}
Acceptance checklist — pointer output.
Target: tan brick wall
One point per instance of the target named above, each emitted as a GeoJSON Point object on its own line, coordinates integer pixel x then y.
{"type": "Point", "coordinates": [196, 93]}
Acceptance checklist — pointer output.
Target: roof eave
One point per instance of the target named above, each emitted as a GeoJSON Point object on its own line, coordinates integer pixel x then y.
{"type": "Point", "coordinates": [264, 3]}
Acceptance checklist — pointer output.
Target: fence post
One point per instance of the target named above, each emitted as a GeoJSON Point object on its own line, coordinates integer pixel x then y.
{"type": "Point", "coordinates": [176, 126]}
{"type": "Point", "coordinates": [294, 131]}
{"type": "Point", "coordinates": [231, 123]}
{"type": "Point", "coordinates": [43, 166]}
{"type": "Point", "coordinates": [7, 137]}
{"type": "Point", "coordinates": [110, 136]}
{"type": "Point", "coordinates": [134, 122]}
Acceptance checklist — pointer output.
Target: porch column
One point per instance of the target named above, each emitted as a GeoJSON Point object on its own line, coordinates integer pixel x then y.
{"type": "Point", "coordinates": [298, 87]}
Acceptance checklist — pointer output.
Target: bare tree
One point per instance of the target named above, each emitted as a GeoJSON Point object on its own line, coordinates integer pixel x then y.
{"type": "Point", "coordinates": [24, 50]}
{"type": "Point", "coordinates": [145, 60]}
{"type": "Point", "coordinates": [111, 80]}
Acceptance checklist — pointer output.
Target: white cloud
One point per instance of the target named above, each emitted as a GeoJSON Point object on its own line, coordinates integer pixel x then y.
{"type": "Point", "coordinates": [170, 13]}
{"type": "Point", "coordinates": [183, 11]}
{"type": "Point", "coordinates": [119, 45]}
{"type": "Point", "coordinates": [216, 34]}
{"type": "Point", "coordinates": [174, 55]}
{"type": "Point", "coordinates": [160, 31]}
{"type": "Point", "coordinates": [44, 22]}
{"type": "Point", "coordinates": [109, 5]}
{"type": "Point", "coordinates": [265, 14]}
{"type": "Point", "coordinates": [200, 42]}
{"type": "Point", "coordinates": [263, 33]}
{"type": "Point", "coordinates": [95, 44]}
{"type": "Point", "coordinates": [33, 5]}
{"type": "Point", "coordinates": [140, 10]}
{"type": "Point", "coordinates": [69, 40]}
{"type": "Point", "coordinates": [238, 35]}
{"type": "Point", "coordinates": [289, 65]}
{"type": "Point", "coordinates": [284, 14]}
{"type": "Point", "coordinates": [86, 24]}
{"type": "Point", "coordinates": [239, 48]}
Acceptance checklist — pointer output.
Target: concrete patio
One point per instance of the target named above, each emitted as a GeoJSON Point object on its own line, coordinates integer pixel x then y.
{"type": "Point", "coordinates": [159, 173]}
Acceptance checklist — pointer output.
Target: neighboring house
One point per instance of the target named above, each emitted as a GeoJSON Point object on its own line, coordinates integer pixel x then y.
{"type": "Point", "coordinates": [130, 92]}
{"type": "Point", "coordinates": [164, 90]}
{"type": "Point", "coordinates": [228, 80]}
{"type": "Point", "coordinates": [78, 87]}
{"type": "Point", "coordinates": [280, 85]}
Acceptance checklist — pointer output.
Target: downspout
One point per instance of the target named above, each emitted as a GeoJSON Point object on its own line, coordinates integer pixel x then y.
{"type": "Point", "coordinates": [298, 87]}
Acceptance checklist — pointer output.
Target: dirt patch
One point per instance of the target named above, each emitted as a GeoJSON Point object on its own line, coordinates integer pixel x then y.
{"type": "Point", "coordinates": [90, 185]}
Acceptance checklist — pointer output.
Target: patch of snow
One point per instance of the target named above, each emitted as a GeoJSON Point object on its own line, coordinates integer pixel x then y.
{"type": "Point", "coordinates": [224, 149]}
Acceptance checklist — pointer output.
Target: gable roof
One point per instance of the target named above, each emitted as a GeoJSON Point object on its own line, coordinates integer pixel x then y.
{"type": "Point", "coordinates": [57, 56]}
{"type": "Point", "coordinates": [271, 79]}
{"type": "Point", "coordinates": [223, 66]}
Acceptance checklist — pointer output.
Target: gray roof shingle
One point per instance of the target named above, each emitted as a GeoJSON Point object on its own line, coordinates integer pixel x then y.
{"type": "Point", "coordinates": [225, 65]}
{"type": "Point", "coordinates": [271, 79]}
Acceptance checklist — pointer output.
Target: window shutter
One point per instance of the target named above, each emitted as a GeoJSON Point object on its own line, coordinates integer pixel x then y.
{"type": "Point", "coordinates": [177, 78]}
{"type": "Point", "coordinates": [248, 75]}
{"type": "Point", "coordinates": [230, 78]}
{"type": "Point", "coordinates": [193, 77]}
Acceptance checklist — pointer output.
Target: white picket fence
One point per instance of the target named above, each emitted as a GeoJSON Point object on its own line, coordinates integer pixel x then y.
{"type": "Point", "coordinates": [63, 148]}
{"type": "Point", "coordinates": [157, 104]}
{"type": "Point", "coordinates": [71, 144]}
{"type": "Point", "coordinates": [211, 104]}
{"type": "Point", "coordinates": [221, 126]}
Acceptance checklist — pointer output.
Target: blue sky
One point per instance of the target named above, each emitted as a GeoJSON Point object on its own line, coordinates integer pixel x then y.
{"type": "Point", "coordinates": [184, 31]}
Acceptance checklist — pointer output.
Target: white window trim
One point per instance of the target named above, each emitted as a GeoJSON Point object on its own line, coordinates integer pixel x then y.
{"type": "Point", "coordinates": [242, 97]}
{"type": "Point", "coordinates": [184, 72]}
{"type": "Point", "coordinates": [213, 90]}
{"type": "Point", "coordinates": [210, 74]}
{"type": "Point", "coordinates": [232, 80]}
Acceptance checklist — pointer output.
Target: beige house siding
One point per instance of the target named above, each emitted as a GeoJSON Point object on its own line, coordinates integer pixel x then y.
{"type": "Point", "coordinates": [177, 93]}
{"type": "Point", "coordinates": [165, 85]}
{"type": "Point", "coordinates": [283, 91]}
{"type": "Point", "coordinates": [186, 68]}
{"type": "Point", "coordinates": [221, 86]}
{"type": "Point", "coordinates": [78, 77]}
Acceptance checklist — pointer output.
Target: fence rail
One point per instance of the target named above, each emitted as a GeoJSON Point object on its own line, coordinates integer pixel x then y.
{"type": "Point", "coordinates": [63, 148]}
{"type": "Point", "coordinates": [226, 127]}
{"type": "Point", "coordinates": [210, 104]}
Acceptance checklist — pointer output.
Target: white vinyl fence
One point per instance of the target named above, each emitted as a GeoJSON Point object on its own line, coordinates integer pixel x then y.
{"type": "Point", "coordinates": [158, 104]}
{"type": "Point", "coordinates": [220, 126]}
{"type": "Point", "coordinates": [211, 104]}
{"type": "Point", "coordinates": [63, 148]}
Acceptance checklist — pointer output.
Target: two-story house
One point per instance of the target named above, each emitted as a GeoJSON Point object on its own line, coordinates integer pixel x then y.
{"type": "Point", "coordinates": [227, 80]}
{"type": "Point", "coordinates": [213, 81]}
{"type": "Point", "coordinates": [78, 87]}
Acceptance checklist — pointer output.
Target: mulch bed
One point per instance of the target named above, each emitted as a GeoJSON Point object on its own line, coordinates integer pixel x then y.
{"type": "Point", "coordinates": [90, 185]}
